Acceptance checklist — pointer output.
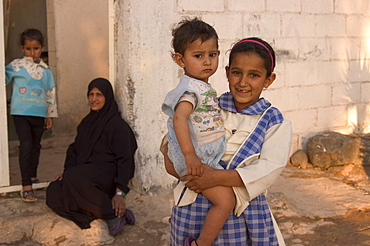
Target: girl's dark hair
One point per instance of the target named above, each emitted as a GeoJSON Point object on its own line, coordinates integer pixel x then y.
{"type": "Point", "coordinates": [187, 31]}
{"type": "Point", "coordinates": [258, 46]}
{"type": "Point", "coordinates": [31, 34]}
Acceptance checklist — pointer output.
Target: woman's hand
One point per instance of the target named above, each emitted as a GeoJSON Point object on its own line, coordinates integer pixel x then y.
{"type": "Point", "coordinates": [58, 177]}
{"type": "Point", "coordinates": [119, 205]}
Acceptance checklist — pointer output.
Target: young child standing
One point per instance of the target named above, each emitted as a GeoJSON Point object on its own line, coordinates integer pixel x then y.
{"type": "Point", "coordinates": [33, 100]}
{"type": "Point", "coordinates": [196, 133]}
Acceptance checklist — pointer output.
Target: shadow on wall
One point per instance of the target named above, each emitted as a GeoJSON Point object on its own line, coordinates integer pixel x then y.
{"type": "Point", "coordinates": [350, 105]}
{"type": "Point", "coordinates": [358, 107]}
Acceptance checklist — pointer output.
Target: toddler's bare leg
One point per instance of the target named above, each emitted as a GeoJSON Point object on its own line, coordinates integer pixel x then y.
{"type": "Point", "coordinates": [223, 200]}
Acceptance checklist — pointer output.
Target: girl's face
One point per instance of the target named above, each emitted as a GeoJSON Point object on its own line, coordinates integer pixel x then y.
{"type": "Point", "coordinates": [32, 48]}
{"type": "Point", "coordinates": [200, 60]}
{"type": "Point", "coordinates": [247, 78]}
{"type": "Point", "coordinates": [96, 99]}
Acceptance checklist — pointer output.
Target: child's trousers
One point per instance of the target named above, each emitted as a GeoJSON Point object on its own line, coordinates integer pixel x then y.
{"type": "Point", "coordinates": [29, 130]}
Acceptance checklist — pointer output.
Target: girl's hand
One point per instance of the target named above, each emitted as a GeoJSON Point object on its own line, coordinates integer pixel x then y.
{"type": "Point", "coordinates": [119, 205]}
{"type": "Point", "coordinates": [201, 183]}
{"type": "Point", "coordinates": [58, 177]}
{"type": "Point", "coordinates": [194, 165]}
{"type": "Point", "coordinates": [49, 123]}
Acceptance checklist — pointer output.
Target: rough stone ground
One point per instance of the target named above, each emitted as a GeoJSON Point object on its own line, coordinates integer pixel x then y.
{"type": "Point", "coordinates": [312, 207]}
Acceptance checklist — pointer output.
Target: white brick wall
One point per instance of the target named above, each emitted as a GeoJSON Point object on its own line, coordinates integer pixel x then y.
{"type": "Point", "coordinates": [246, 6]}
{"type": "Point", "coordinates": [283, 5]}
{"type": "Point", "coordinates": [295, 24]}
{"type": "Point", "coordinates": [365, 92]}
{"type": "Point", "coordinates": [357, 25]}
{"type": "Point", "coordinates": [318, 6]}
{"type": "Point", "coordinates": [198, 5]}
{"type": "Point", "coordinates": [351, 7]}
{"type": "Point", "coordinates": [346, 94]}
{"type": "Point", "coordinates": [330, 117]}
{"type": "Point", "coordinates": [345, 48]}
{"type": "Point", "coordinates": [323, 61]}
{"type": "Point", "coordinates": [330, 25]}
{"type": "Point", "coordinates": [303, 119]}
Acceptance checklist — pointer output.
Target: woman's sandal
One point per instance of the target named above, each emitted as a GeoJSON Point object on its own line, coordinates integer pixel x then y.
{"type": "Point", "coordinates": [129, 217]}
{"type": "Point", "coordinates": [116, 225]}
{"type": "Point", "coordinates": [26, 193]}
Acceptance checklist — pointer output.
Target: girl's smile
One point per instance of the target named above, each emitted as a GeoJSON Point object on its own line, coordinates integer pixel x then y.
{"type": "Point", "coordinates": [247, 78]}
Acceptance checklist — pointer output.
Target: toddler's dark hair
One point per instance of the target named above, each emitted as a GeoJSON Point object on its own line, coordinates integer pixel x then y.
{"type": "Point", "coordinates": [31, 34]}
{"type": "Point", "coordinates": [189, 30]}
{"type": "Point", "coordinates": [258, 46]}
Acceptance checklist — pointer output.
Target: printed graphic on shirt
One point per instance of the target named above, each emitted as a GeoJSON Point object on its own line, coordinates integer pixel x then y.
{"type": "Point", "coordinates": [36, 92]}
{"type": "Point", "coordinates": [208, 97]}
{"type": "Point", "coordinates": [22, 90]}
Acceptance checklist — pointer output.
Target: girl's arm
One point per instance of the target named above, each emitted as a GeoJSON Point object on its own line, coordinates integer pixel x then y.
{"type": "Point", "coordinates": [257, 176]}
{"type": "Point", "coordinates": [182, 131]}
{"type": "Point", "coordinates": [261, 173]}
{"type": "Point", "coordinates": [51, 103]}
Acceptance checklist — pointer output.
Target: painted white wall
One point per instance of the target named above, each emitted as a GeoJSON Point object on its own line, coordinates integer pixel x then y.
{"type": "Point", "coordinates": [4, 162]}
{"type": "Point", "coordinates": [322, 48]}
{"type": "Point", "coordinates": [80, 54]}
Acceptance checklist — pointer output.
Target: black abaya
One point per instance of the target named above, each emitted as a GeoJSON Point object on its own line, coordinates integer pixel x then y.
{"type": "Point", "coordinates": [100, 160]}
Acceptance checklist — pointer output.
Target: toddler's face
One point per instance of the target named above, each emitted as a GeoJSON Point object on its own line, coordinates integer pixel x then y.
{"type": "Point", "coordinates": [200, 60]}
{"type": "Point", "coordinates": [32, 48]}
{"type": "Point", "coordinates": [247, 78]}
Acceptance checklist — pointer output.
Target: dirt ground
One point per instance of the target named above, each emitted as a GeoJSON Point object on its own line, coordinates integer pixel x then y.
{"type": "Point", "coordinates": [352, 229]}
{"type": "Point", "coordinates": [153, 209]}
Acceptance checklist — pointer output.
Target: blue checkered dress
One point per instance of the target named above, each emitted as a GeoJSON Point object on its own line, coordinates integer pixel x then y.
{"type": "Point", "coordinates": [254, 226]}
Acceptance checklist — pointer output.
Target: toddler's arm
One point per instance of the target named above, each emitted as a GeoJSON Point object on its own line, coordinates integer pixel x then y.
{"type": "Point", "coordinates": [182, 131]}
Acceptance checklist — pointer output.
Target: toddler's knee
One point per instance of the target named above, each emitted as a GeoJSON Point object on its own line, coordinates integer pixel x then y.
{"type": "Point", "coordinates": [230, 205]}
{"type": "Point", "coordinates": [228, 201]}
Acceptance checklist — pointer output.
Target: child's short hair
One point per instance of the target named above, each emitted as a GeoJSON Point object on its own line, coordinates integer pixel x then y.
{"type": "Point", "coordinates": [258, 46]}
{"type": "Point", "coordinates": [31, 34]}
{"type": "Point", "coordinates": [189, 30]}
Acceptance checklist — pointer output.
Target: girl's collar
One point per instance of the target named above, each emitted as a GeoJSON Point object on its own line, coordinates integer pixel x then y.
{"type": "Point", "coordinates": [226, 102]}
{"type": "Point", "coordinates": [30, 60]}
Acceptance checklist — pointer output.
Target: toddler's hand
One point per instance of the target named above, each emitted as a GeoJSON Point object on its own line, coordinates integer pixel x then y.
{"type": "Point", "coordinates": [194, 165]}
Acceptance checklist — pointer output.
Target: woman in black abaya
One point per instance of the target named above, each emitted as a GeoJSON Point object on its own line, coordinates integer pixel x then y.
{"type": "Point", "coordinates": [98, 166]}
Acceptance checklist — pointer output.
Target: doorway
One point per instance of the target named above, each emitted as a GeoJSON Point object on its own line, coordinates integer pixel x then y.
{"type": "Point", "coordinates": [85, 51]}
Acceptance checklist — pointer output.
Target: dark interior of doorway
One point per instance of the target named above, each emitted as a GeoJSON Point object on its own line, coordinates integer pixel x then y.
{"type": "Point", "coordinates": [18, 16]}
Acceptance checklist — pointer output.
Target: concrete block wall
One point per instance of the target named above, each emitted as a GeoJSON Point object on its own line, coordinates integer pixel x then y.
{"type": "Point", "coordinates": [322, 47]}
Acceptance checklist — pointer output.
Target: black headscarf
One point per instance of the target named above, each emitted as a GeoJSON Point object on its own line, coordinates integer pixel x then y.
{"type": "Point", "coordinates": [92, 126]}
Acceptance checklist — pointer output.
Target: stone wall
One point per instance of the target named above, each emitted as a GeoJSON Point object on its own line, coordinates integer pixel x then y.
{"type": "Point", "coordinates": [322, 68]}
